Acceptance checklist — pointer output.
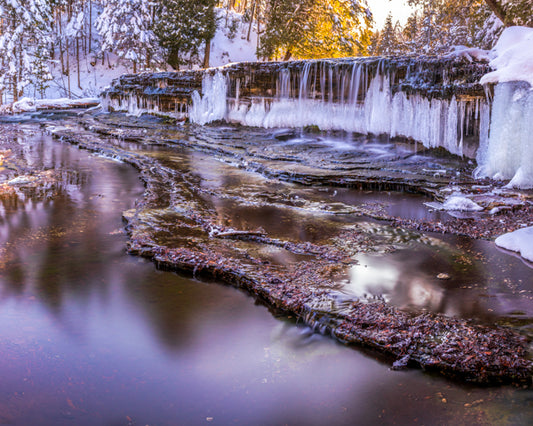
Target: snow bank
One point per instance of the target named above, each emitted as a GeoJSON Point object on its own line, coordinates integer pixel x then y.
{"type": "Point", "coordinates": [231, 43]}
{"type": "Point", "coordinates": [30, 104]}
{"type": "Point", "coordinates": [520, 241]}
{"type": "Point", "coordinates": [23, 105]}
{"type": "Point", "coordinates": [512, 57]}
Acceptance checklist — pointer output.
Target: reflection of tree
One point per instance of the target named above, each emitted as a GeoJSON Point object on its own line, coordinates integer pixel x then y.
{"type": "Point", "coordinates": [418, 285]}
{"type": "Point", "coordinates": [55, 232]}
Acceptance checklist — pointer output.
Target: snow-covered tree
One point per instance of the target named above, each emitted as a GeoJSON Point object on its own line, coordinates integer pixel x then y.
{"type": "Point", "coordinates": [389, 42]}
{"type": "Point", "coordinates": [315, 28]}
{"type": "Point", "coordinates": [126, 29]}
{"type": "Point", "coordinates": [440, 24]}
{"type": "Point", "coordinates": [183, 28]}
{"type": "Point", "coordinates": [24, 43]}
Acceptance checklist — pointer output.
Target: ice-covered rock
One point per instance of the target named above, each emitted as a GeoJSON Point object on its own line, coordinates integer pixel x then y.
{"type": "Point", "coordinates": [520, 241]}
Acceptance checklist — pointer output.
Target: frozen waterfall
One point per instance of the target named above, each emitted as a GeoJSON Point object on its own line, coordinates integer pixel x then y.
{"type": "Point", "coordinates": [508, 151]}
{"type": "Point", "coordinates": [345, 98]}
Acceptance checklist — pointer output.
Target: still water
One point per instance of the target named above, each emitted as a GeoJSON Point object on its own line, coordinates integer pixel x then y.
{"type": "Point", "coordinates": [90, 335]}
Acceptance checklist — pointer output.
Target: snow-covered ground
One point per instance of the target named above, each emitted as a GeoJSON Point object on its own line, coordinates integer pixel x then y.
{"type": "Point", "coordinates": [233, 46]}
{"type": "Point", "coordinates": [31, 104]}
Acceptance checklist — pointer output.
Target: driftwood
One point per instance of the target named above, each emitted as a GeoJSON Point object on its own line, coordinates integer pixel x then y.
{"type": "Point", "coordinates": [238, 234]}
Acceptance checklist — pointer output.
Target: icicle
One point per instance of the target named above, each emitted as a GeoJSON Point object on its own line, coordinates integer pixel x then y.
{"type": "Point", "coordinates": [212, 105]}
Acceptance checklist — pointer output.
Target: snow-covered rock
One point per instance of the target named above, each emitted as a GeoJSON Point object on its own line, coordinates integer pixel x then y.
{"type": "Point", "coordinates": [23, 105]}
{"type": "Point", "coordinates": [520, 241]}
{"type": "Point", "coordinates": [456, 203]}
{"type": "Point", "coordinates": [512, 57]}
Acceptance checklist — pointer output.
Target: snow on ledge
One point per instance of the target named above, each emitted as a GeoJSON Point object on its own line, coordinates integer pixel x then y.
{"type": "Point", "coordinates": [470, 53]}
{"type": "Point", "coordinates": [512, 57]}
{"type": "Point", "coordinates": [520, 241]}
{"type": "Point", "coordinates": [30, 104]}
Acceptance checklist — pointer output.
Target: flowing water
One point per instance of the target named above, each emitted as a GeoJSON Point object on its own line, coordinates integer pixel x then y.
{"type": "Point", "coordinates": [91, 335]}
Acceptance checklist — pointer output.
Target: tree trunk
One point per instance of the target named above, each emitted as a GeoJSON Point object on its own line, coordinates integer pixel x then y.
{"type": "Point", "coordinates": [251, 21]}
{"type": "Point", "coordinates": [61, 53]}
{"type": "Point", "coordinates": [78, 60]}
{"type": "Point", "coordinates": [68, 71]}
{"type": "Point", "coordinates": [15, 91]}
{"type": "Point", "coordinates": [90, 25]}
{"type": "Point", "coordinates": [497, 9]}
{"type": "Point", "coordinates": [134, 67]}
{"type": "Point", "coordinates": [288, 54]}
{"type": "Point", "coordinates": [207, 53]}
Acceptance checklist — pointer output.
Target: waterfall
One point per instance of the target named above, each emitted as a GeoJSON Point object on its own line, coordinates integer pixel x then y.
{"type": "Point", "coordinates": [351, 99]}
{"type": "Point", "coordinates": [507, 153]}
{"type": "Point", "coordinates": [434, 101]}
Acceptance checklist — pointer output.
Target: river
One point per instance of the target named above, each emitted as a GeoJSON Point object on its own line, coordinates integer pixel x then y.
{"type": "Point", "coordinates": [91, 335]}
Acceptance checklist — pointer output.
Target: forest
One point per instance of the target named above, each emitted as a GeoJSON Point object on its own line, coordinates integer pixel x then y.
{"type": "Point", "coordinates": [172, 34]}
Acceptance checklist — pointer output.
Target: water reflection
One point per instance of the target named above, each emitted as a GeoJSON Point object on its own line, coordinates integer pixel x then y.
{"type": "Point", "coordinates": [461, 278]}
{"type": "Point", "coordinates": [89, 335]}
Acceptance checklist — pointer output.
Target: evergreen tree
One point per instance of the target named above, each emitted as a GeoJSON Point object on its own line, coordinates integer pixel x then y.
{"type": "Point", "coordinates": [388, 41]}
{"type": "Point", "coordinates": [125, 28]}
{"type": "Point", "coordinates": [183, 27]}
{"type": "Point", "coordinates": [315, 28]}
{"type": "Point", "coordinates": [24, 43]}
{"type": "Point", "coordinates": [409, 34]}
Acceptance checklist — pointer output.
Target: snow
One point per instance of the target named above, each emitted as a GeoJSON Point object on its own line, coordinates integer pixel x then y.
{"type": "Point", "coordinates": [94, 75]}
{"type": "Point", "coordinates": [456, 203]}
{"type": "Point", "coordinates": [470, 53]}
{"type": "Point", "coordinates": [227, 48]}
{"type": "Point", "coordinates": [512, 57]}
{"type": "Point", "coordinates": [520, 241]}
{"type": "Point", "coordinates": [25, 104]}
{"type": "Point", "coordinates": [508, 152]}
{"type": "Point", "coordinates": [30, 104]}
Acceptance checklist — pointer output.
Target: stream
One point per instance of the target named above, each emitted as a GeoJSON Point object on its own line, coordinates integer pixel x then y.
{"type": "Point", "coordinates": [92, 335]}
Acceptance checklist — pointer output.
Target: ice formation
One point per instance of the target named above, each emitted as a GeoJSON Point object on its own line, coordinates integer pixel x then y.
{"type": "Point", "coordinates": [357, 102]}
{"type": "Point", "coordinates": [212, 105]}
{"type": "Point", "coordinates": [456, 202]}
{"type": "Point", "coordinates": [508, 152]}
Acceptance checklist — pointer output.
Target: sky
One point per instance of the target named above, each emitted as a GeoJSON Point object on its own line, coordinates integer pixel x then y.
{"type": "Point", "coordinates": [380, 9]}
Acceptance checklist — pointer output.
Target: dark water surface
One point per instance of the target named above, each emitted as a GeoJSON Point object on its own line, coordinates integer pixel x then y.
{"type": "Point", "coordinates": [90, 335]}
